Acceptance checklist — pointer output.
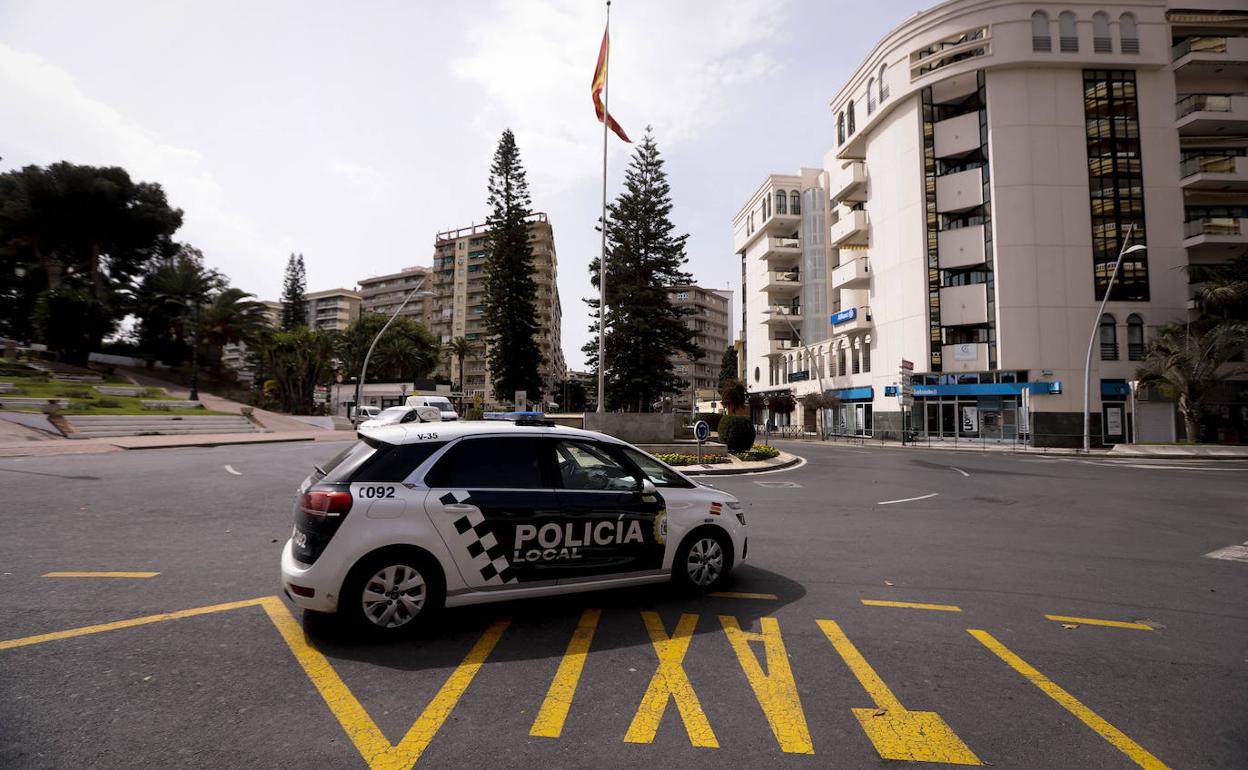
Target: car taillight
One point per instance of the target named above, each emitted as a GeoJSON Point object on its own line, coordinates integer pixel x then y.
{"type": "Point", "coordinates": [325, 502]}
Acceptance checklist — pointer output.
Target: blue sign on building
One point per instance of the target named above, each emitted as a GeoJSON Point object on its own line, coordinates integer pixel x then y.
{"type": "Point", "coordinates": [799, 376]}
{"type": "Point", "coordinates": [844, 315]}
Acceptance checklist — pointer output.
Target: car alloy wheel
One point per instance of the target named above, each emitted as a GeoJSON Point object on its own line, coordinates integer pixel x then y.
{"type": "Point", "coordinates": [705, 562]}
{"type": "Point", "coordinates": [393, 596]}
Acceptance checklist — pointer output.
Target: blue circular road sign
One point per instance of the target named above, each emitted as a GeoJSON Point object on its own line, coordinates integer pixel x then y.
{"type": "Point", "coordinates": [701, 430]}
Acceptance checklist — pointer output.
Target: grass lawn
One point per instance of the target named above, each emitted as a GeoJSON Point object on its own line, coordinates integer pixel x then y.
{"type": "Point", "coordinates": [84, 399]}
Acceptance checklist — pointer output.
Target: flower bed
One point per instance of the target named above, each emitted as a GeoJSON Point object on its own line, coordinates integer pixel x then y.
{"type": "Point", "coordinates": [674, 459]}
{"type": "Point", "coordinates": [758, 452]}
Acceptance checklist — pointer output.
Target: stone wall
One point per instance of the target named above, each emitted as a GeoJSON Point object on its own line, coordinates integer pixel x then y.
{"type": "Point", "coordinates": [633, 427]}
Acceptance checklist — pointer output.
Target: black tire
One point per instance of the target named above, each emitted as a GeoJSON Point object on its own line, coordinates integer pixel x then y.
{"type": "Point", "coordinates": [703, 560]}
{"type": "Point", "coordinates": [374, 599]}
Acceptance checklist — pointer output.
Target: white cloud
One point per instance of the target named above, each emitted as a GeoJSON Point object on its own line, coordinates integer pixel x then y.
{"type": "Point", "coordinates": [52, 119]}
{"type": "Point", "coordinates": [369, 185]}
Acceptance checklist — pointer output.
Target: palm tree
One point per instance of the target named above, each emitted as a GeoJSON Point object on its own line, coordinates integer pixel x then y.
{"type": "Point", "coordinates": [172, 298]}
{"type": "Point", "coordinates": [231, 318]}
{"type": "Point", "coordinates": [460, 348]}
{"type": "Point", "coordinates": [1188, 363]}
{"type": "Point", "coordinates": [1222, 290]}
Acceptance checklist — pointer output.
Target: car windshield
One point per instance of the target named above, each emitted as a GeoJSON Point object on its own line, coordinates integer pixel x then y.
{"type": "Point", "coordinates": [441, 403]}
{"type": "Point", "coordinates": [393, 413]}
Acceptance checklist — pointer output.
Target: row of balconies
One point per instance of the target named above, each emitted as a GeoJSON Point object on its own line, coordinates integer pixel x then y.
{"type": "Point", "coordinates": [1214, 171]}
{"type": "Point", "coordinates": [1216, 53]}
{"type": "Point", "coordinates": [1211, 114]}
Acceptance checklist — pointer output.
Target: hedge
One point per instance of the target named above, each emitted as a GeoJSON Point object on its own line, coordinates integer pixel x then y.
{"type": "Point", "coordinates": [736, 432]}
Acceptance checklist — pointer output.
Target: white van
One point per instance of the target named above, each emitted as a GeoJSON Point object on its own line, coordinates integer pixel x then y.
{"type": "Point", "coordinates": [442, 403]}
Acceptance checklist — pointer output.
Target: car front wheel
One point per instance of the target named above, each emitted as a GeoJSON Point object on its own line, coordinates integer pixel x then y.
{"type": "Point", "coordinates": [703, 561]}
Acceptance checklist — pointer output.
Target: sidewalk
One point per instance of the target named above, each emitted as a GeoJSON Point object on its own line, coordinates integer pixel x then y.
{"type": "Point", "coordinates": [121, 443]}
{"type": "Point", "coordinates": [1157, 451]}
{"type": "Point", "coordinates": [783, 460]}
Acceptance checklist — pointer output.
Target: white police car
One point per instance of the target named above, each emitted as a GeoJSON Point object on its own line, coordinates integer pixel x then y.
{"type": "Point", "coordinates": [416, 516]}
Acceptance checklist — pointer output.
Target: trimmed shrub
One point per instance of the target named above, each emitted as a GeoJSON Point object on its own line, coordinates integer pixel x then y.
{"type": "Point", "coordinates": [710, 418]}
{"type": "Point", "coordinates": [79, 393]}
{"type": "Point", "coordinates": [736, 432]}
{"type": "Point", "coordinates": [675, 459]}
{"type": "Point", "coordinates": [758, 452]}
{"type": "Point", "coordinates": [108, 403]}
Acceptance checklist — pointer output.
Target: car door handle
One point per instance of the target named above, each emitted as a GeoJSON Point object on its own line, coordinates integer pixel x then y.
{"type": "Point", "coordinates": [459, 508]}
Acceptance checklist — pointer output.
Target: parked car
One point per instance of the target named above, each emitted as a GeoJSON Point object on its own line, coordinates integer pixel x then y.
{"type": "Point", "coordinates": [442, 403]}
{"type": "Point", "coordinates": [363, 413]}
{"type": "Point", "coordinates": [417, 516]}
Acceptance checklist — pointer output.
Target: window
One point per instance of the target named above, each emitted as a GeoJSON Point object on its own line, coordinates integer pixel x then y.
{"type": "Point", "coordinates": [1101, 41]}
{"type": "Point", "coordinates": [588, 465]}
{"type": "Point", "coordinates": [795, 202]}
{"type": "Point", "coordinates": [849, 118]}
{"type": "Point", "coordinates": [840, 362]}
{"type": "Point", "coordinates": [766, 207]}
{"type": "Point", "coordinates": [1135, 338]}
{"type": "Point", "coordinates": [398, 463]}
{"type": "Point", "coordinates": [348, 460]}
{"type": "Point", "coordinates": [657, 472]}
{"type": "Point", "coordinates": [1041, 40]}
{"type": "Point", "coordinates": [1128, 35]}
{"type": "Point", "coordinates": [1068, 32]}
{"type": "Point", "coordinates": [866, 355]}
{"type": "Point", "coordinates": [840, 128]}
{"type": "Point", "coordinates": [870, 95]}
{"type": "Point", "coordinates": [856, 361]}
{"type": "Point", "coordinates": [780, 202]}
{"type": "Point", "coordinates": [883, 84]}
{"type": "Point", "coordinates": [1109, 338]}
{"type": "Point", "coordinates": [491, 463]}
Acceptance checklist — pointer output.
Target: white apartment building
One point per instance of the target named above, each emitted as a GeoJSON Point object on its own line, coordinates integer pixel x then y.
{"type": "Point", "coordinates": [987, 160]}
{"type": "Point", "coordinates": [383, 294]}
{"type": "Point", "coordinates": [333, 309]}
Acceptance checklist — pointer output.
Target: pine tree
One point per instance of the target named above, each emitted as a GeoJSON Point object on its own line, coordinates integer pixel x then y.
{"type": "Point", "coordinates": [510, 291]}
{"type": "Point", "coordinates": [294, 306]}
{"type": "Point", "coordinates": [728, 365]}
{"type": "Point", "coordinates": [644, 257]}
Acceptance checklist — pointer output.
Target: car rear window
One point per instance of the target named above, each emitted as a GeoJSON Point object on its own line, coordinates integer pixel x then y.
{"type": "Point", "coordinates": [396, 463]}
{"type": "Point", "coordinates": [348, 460]}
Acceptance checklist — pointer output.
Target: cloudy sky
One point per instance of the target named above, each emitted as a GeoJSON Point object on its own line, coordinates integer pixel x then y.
{"type": "Point", "coordinates": [353, 132]}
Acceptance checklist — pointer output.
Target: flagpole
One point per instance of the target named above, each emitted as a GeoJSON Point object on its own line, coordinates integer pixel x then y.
{"type": "Point", "coordinates": [602, 260]}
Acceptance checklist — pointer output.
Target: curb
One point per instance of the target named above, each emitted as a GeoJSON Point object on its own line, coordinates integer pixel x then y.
{"type": "Point", "coordinates": [275, 440]}
{"type": "Point", "coordinates": [730, 471]}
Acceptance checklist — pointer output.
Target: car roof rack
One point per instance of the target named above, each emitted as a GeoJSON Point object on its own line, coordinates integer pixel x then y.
{"type": "Point", "coordinates": [531, 421]}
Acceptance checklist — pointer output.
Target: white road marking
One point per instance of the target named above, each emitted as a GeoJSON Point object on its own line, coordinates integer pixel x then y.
{"type": "Point", "coordinates": [230, 468]}
{"type": "Point", "coordinates": [959, 470]}
{"type": "Point", "coordinates": [1230, 553]}
{"type": "Point", "coordinates": [908, 499]}
{"type": "Point", "coordinates": [778, 484]}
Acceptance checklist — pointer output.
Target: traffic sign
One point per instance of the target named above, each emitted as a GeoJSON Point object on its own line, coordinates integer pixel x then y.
{"type": "Point", "coordinates": [701, 430]}
{"type": "Point", "coordinates": [907, 366]}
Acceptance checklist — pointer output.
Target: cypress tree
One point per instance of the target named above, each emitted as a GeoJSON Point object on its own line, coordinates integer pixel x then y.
{"type": "Point", "coordinates": [510, 291]}
{"type": "Point", "coordinates": [644, 257]}
{"type": "Point", "coordinates": [294, 306]}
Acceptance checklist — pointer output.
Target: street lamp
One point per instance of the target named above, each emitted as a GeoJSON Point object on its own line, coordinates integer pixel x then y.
{"type": "Point", "coordinates": [1096, 326]}
{"type": "Point", "coordinates": [813, 362]}
{"type": "Point", "coordinates": [359, 384]}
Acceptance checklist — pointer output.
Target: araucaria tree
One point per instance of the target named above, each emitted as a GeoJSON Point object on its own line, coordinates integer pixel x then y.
{"type": "Point", "coordinates": [294, 306]}
{"type": "Point", "coordinates": [510, 291]}
{"type": "Point", "coordinates": [645, 331]}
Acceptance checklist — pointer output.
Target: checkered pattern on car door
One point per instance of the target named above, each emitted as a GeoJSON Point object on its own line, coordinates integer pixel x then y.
{"type": "Point", "coordinates": [487, 554]}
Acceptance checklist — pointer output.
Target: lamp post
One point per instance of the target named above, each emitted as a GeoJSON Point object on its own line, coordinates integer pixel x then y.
{"type": "Point", "coordinates": [359, 384]}
{"type": "Point", "coordinates": [1096, 326]}
{"type": "Point", "coordinates": [813, 362]}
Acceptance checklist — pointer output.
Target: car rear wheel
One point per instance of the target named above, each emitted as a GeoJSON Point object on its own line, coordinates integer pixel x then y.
{"type": "Point", "coordinates": [392, 593]}
{"type": "Point", "coordinates": [703, 561]}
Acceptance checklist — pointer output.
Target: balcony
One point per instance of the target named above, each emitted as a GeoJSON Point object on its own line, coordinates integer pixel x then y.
{"type": "Point", "coordinates": [959, 191]}
{"type": "Point", "coordinates": [1215, 238]}
{"type": "Point", "coordinates": [853, 274]}
{"type": "Point", "coordinates": [967, 357]}
{"type": "Point", "coordinates": [957, 136]}
{"type": "Point", "coordinates": [962, 247]}
{"type": "Point", "coordinates": [780, 346]}
{"type": "Point", "coordinates": [1211, 55]}
{"type": "Point", "coordinates": [1211, 114]}
{"type": "Point", "coordinates": [850, 228]}
{"type": "Point", "coordinates": [785, 250]}
{"type": "Point", "coordinates": [848, 180]}
{"type": "Point", "coordinates": [1214, 171]}
{"type": "Point", "coordinates": [783, 281]}
{"type": "Point", "coordinates": [783, 315]}
{"type": "Point", "coordinates": [964, 305]}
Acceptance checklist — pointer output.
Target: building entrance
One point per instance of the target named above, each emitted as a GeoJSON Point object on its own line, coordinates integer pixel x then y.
{"type": "Point", "coordinates": [987, 418]}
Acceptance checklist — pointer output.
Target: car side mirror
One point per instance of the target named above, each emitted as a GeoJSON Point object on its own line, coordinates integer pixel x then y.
{"type": "Point", "coordinates": [648, 488]}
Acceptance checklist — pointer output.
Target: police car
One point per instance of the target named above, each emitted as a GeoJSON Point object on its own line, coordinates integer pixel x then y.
{"type": "Point", "coordinates": [417, 516]}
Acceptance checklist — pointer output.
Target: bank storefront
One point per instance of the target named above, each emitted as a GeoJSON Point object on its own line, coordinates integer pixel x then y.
{"type": "Point", "coordinates": [851, 417]}
{"type": "Point", "coordinates": [949, 407]}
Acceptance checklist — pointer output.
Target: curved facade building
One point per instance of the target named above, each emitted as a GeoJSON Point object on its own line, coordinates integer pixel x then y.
{"type": "Point", "coordinates": [986, 162]}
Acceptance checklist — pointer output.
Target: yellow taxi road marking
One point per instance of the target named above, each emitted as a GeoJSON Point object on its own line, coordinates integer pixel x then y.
{"type": "Point", "coordinates": [912, 605]}
{"type": "Point", "coordinates": [776, 691]}
{"type": "Point", "coordinates": [670, 681]}
{"type": "Point", "coordinates": [741, 595]}
{"type": "Point", "coordinates": [1098, 622]}
{"type": "Point", "coordinates": [1067, 701]}
{"type": "Point", "coordinates": [102, 574]}
{"type": "Point", "coordinates": [916, 736]}
{"type": "Point", "coordinates": [554, 710]}
{"type": "Point", "coordinates": [85, 630]}
{"type": "Point", "coordinates": [378, 752]}
{"type": "Point", "coordinates": [908, 499]}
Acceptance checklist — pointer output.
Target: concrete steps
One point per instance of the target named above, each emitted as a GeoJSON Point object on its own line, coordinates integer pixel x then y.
{"type": "Point", "coordinates": [105, 426]}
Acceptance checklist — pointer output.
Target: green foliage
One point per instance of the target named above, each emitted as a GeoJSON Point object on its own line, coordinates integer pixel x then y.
{"type": "Point", "coordinates": [80, 393]}
{"type": "Point", "coordinates": [1222, 290]}
{"type": "Point", "coordinates": [781, 403]}
{"type": "Point", "coordinates": [80, 228]}
{"type": "Point", "coordinates": [511, 317]}
{"type": "Point", "coordinates": [294, 286]}
{"type": "Point", "coordinates": [732, 394]}
{"type": "Point", "coordinates": [407, 351]}
{"type": "Point", "coordinates": [756, 401]}
{"type": "Point", "coordinates": [170, 304]}
{"type": "Point", "coordinates": [676, 459]}
{"type": "Point", "coordinates": [571, 395]}
{"type": "Point", "coordinates": [108, 403]}
{"type": "Point", "coordinates": [1187, 363]}
{"type": "Point", "coordinates": [645, 331]}
{"type": "Point", "coordinates": [710, 418]}
{"type": "Point", "coordinates": [72, 321]}
{"type": "Point", "coordinates": [736, 432]}
{"type": "Point", "coordinates": [298, 360]}
{"type": "Point", "coordinates": [728, 365]}
{"type": "Point", "coordinates": [758, 452]}
{"type": "Point", "coordinates": [460, 348]}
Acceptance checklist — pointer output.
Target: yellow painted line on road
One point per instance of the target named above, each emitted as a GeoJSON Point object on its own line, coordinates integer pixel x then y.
{"type": "Point", "coordinates": [775, 690]}
{"type": "Point", "coordinates": [1098, 622]}
{"type": "Point", "coordinates": [670, 682]}
{"type": "Point", "coordinates": [378, 752]}
{"type": "Point", "coordinates": [102, 574]}
{"type": "Point", "coordinates": [741, 595]}
{"type": "Point", "coordinates": [1116, 737]}
{"type": "Point", "coordinates": [554, 710]}
{"type": "Point", "coordinates": [915, 736]}
{"type": "Point", "coordinates": [912, 605]}
{"type": "Point", "coordinates": [85, 630]}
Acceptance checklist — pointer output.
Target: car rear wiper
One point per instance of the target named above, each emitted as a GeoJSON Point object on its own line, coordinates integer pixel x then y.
{"type": "Point", "coordinates": [319, 470]}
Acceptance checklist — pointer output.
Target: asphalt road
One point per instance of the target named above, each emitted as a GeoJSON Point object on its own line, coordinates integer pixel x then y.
{"type": "Point", "coordinates": [1005, 540]}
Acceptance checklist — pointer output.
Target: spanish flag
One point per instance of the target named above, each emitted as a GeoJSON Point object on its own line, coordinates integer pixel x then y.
{"type": "Point", "coordinates": [600, 82]}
